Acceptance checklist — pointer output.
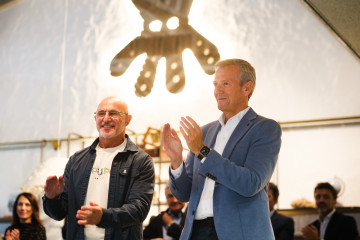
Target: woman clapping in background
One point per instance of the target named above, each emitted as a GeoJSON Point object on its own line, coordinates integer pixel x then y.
{"type": "Point", "coordinates": [26, 223]}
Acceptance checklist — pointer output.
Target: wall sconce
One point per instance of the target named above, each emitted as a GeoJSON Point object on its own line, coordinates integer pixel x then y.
{"type": "Point", "coordinates": [166, 34]}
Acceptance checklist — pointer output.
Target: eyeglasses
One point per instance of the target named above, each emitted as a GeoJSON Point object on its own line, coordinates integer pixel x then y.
{"type": "Point", "coordinates": [112, 114]}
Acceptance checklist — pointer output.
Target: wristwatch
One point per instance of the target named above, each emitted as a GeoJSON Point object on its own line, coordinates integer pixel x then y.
{"type": "Point", "coordinates": [204, 151]}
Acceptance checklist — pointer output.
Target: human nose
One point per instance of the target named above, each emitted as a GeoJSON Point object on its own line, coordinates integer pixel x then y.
{"type": "Point", "coordinates": [321, 199]}
{"type": "Point", "coordinates": [107, 116]}
{"type": "Point", "coordinates": [217, 88]}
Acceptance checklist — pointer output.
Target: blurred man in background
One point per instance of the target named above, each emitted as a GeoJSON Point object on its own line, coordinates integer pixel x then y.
{"type": "Point", "coordinates": [283, 226]}
{"type": "Point", "coordinates": [331, 224]}
{"type": "Point", "coordinates": [168, 224]}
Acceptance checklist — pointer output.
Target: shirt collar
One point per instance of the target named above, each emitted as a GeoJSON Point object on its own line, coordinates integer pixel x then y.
{"type": "Point", "coordinates": [328, 216]}
{"type": "Point", "coordinates": [236, 118]}
{"type": "Point", "coordinates": [173, 216]}
{"type": "Point", "coordinates": [119, 148]}
{"type": "Point", "coordinates": [272, 212]}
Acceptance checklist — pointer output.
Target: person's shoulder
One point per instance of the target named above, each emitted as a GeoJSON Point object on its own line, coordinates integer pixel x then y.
{"type": "Point", "coordinates": [38, 227]}
{"type": "Point", "coordinates": [42, 227]}
{"type": "Point", "coordinates": [344, 223]}
{"type": "Point", "coordinates": [137, 150]}
{"type": "Point", "coordinates": [251, 115]}
{"type": "Point", "coordinates": [286, 218]}
{"type": "Point", "coordinates": [343, 217]}
{"type": "Point", "coordinates": [265, 120]}
{"type": "Point", "coordinates": [266, 126]}
{"type": "Point", "coordinates": [283, 217]}
{"type": "Point", "coordinates": [210, 125]}
{"type": "Point", "coordinates": [80, 153]}
{"type": "Point", "coordinates": [78, 156]}
{"type": "Point", "coordinates": [138, 156]}
{"type": "Point", "coordinates": [156, 218]}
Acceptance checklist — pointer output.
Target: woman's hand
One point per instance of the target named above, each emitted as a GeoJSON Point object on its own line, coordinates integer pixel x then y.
{"type": "Point", "coordinates": [12, 234]}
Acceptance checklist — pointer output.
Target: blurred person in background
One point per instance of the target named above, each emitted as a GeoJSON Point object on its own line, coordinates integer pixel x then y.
{"type": "Point", "coordinates": [26, 223]}
{"type": "Point", "coordinates": [283, 226]}
{"type": "Point", "coordinates": [331, 224]}
{"type": "Point", "coordinates": [168, 224]}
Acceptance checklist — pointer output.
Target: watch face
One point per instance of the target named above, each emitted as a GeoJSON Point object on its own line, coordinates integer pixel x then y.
{"type": "Point", "coordinates": [205, 151]}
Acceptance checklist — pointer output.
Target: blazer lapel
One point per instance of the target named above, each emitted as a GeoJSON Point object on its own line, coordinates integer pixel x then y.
{"type": "Point", "coordinates": [332, 226]}
{"type": "Point", "coordinates": [211, 135]}
{"type": "Point", "coordinates": [209, 140]}
{"type": "Point", "coordinates": [244, 125]}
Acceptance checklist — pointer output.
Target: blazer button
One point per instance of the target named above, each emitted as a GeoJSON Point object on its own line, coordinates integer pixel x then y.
{"type": "Point", "coordinates": [193, 212]}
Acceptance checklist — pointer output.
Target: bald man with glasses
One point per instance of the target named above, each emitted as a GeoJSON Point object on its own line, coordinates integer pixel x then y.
{"type": "Point", "coordinates": [107, 188]}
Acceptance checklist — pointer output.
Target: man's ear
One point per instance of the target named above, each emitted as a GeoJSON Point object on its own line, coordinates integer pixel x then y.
{"type": "Point", "coordinates": [128, 119]}
{"type": "Point", "coordinates": [248, 87]}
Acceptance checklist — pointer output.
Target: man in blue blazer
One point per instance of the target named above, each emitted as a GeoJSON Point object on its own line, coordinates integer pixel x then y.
{"type": "Point", "coordinates": [230, 163]}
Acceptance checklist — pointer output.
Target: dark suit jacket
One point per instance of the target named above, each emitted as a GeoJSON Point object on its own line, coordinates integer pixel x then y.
{"type": "Point", "coordinates": [283, 226]}
{"type": "Point", "coordinates": [154, 229]}
{"type": "Point", "coordinates": [340, 227]}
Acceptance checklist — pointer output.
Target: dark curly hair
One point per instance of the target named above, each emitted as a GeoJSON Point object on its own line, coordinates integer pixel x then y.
{"type": "Point", "coordinates": [328, 186]}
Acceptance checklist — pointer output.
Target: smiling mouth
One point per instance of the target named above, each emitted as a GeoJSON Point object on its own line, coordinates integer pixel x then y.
{"type": "Point", "coordinates": [107, 125]}
{"type": "Point", "coordinates": [220, 97]}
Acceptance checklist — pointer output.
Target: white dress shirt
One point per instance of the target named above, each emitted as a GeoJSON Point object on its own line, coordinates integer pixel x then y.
{"type": "Point", "coordinates": [324, 224]}
{"type": "Point", "coordinates": [205, 207]}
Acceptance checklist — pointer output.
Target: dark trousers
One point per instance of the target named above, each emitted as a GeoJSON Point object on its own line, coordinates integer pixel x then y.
{"type": "Point", "coordinates": [204, 231]}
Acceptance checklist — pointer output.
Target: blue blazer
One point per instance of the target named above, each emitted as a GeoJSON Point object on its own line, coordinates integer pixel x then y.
{"type": "Point", "coordinates": [241, 175]}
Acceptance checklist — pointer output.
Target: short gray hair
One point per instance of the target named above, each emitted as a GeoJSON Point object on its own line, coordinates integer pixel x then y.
{"type": "Point", "coordinates": [247, 72]}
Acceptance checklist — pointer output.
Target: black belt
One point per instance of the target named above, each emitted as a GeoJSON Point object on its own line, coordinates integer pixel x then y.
{"type": "Point", "coordinates": [207, 222]}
